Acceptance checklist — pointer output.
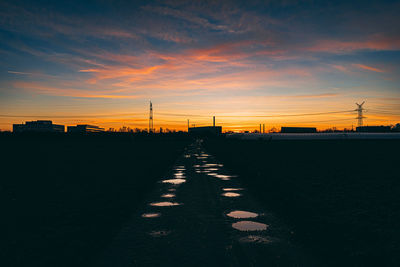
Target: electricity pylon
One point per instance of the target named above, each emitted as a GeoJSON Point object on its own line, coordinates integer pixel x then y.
{"type": "Point", "coordinates": [360, 116]}
{"type": "Point", "coordinates": [151, 118]}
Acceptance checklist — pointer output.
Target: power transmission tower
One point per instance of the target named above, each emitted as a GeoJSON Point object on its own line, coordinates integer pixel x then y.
{"type": "Point", "coordinates": [151, 118]}
{"type": "Point", "coordinates": [360, 116]}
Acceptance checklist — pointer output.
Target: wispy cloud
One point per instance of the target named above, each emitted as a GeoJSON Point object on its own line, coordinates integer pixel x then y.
{"type": "Point", "coordinates": [20, 73]}
{"type": "Point", "coordinates": [365, 67]}
{"type": "Point", "coordinates": [377, 43]}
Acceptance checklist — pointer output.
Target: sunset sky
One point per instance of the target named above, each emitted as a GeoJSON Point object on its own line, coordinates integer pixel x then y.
{"type": "Point", "coordinates": [246, 62]}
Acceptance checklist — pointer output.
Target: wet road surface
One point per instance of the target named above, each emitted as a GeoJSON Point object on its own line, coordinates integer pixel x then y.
{"type": "Point", "coordinates": [200, 215]}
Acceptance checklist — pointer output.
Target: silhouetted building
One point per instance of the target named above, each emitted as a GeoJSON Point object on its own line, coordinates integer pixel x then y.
{"type": "Point", "coordinates": [84, 128]}
{"type": "Point", "coordinates": [298, 130]}
{"type": "Point", "coordinates": [373, 129]}
{"type": "Point", "coordinates": [207, 130]}
{"type": "Point", "coordinates": [38, 126]}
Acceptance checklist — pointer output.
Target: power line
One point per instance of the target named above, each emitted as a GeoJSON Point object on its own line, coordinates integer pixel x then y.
{"type": "Point", "coordinates": [260, 116]}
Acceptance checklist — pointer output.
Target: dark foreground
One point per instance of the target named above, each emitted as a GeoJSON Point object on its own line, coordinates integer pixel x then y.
{"type": "Point", "coordinates": [200, 215]}
{"type": "Point", "coordinates": [123, 200]}
{"type": "Point", "coordinates": [341, 197]}
{"type": "Point", "coordinates": [64, 197]}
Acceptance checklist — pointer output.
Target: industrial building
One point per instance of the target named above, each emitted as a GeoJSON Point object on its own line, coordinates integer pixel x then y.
{"type": "Point", "coordinates": [298, 130]}
{"type": "Point", "coordinates": [38, 126]}
{"type": "Point", "coordinates": [373, 129]}
{"type": "Point", "coordinates": [84, 128]}
{"type": "Point", "coordinates": [206, 130]}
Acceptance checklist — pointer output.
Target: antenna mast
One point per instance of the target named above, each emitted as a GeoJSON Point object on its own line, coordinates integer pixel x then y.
{"type": "Point", "coordinates": [360, 116]}
{"type": "Point", "coordinates": [151, 118]}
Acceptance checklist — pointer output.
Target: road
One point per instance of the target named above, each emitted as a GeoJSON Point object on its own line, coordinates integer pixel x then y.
{"type": "Point", "coordinates": [199, 215]}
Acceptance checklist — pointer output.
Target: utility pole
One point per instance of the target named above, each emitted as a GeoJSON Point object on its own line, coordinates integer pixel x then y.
{"type": "Point", "coordinates": [263, 128]}
{"type": "Point", "coordinates": [260, 127]}
{"type": "Point", "coordinates": [188, 125]}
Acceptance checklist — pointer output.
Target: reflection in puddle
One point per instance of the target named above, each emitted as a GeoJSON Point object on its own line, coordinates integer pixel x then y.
{"type": "Point", "coordinates": [201, 157]}
{"type": "Point", "coordinates": [164, 204]}
{"type": "Point", "coordinates": [221, 176]}
{"type": "Point", "coordinates": [196, 165]}
{"type": "Point", "coordinates": [231, 194]}
{"type": "Point", "coordinates": [174, 181]}
{"type": "Point", "coordinates": [159, 233]}
{"type": "Point", "coordinates": [151, 215]}
{"type": "Point", "coordinates": [168, 195]}
{"type": "Point", "coordinates": [172, 189]}
{"type": "Point", "coordinates": [232, 189]}
{"type": "Point", "coordinates": [255, 239]}
{"type": "Point", "coordinates": [212, 169]}
{"type": "Point", "coordinates": [241, 214]}
{"type": "Point", "coordinates": [249, 226]}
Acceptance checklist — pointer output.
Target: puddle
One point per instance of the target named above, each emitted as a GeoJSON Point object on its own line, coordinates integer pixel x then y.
{"type": "Point", "coordinates": [241, 214]}
{"type": "Point", "coordinates": [164, 204]}
{"type": "Point", "coordinates": [168, 195]}
{"type": "Point", "coordinates": [180, 175]}
{"type": "Point", "coordinates": [197, 166]}
{"type": "Point", "coordinates": [232, 189]}
{"type": "Point", "coordinates": [212, 169]}
{"type": "Point", "coordinates": [249, 226]}
{"type": "Point", "coordinates": [172, 189]}
{"type": "Point", "coordinates": [255, 239]}
{"type": "Point", "coordinates": [201, 157]}
{"type": "Point", "coordinates": [159, 233]}
{"type": "Point", "coordinates": [174, 181]}
{"type": "Point", "coordinates": [151, 215]}
{"type": "Point", "coordinates": [211, 165]}
{"type": "Point", "coordinates": [231, 194]}
{"type": "Point", "coordinates": [179, 169]}
{"type": "Point", "coordinates": [223, 176]}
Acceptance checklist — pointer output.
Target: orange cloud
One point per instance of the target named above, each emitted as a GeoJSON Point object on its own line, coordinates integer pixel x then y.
{"type": "Point", "coordinates": [365, 67]}
{"type": "Point", "coordinates": [373, 43]}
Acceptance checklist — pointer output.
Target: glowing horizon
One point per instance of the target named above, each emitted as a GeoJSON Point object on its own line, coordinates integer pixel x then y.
{"type": "Point", "coordinates": [238, 61]}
